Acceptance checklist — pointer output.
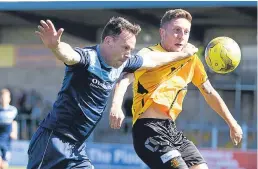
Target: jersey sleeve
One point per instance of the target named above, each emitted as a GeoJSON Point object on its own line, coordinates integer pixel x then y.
{"type": "Point", "coordinates": [200, 75]}
{"type": "Point", "coordinates": [133, 63]}
{"type": "Point", "coordinates": [84, 58]}
{"type": "Point", "coordinates": [144, 51]}
{"type": "Point", "coordinates": [15, 113]}
{"type": "Point", "coordinates": [138, 73]}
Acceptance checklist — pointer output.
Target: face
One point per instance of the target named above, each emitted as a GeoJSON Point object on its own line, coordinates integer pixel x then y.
{"type": "Point", "coordinates": [175, 35]}
{"type": "Point", "coordinates": [121, 47]}
{"type": "Point", "coordinates": [5, 99]}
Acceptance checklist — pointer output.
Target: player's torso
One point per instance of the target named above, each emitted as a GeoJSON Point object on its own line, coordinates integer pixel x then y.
{"type": "Point", "coordinates": [166, 85]}
{"type": "Point", "coordinates": [94, 84]}
{"type": "Point", "coordinates": [6, 118]}
{"type": "Point", "coordinates": [7, 115]}
{"type": "Point", "coordinates": [83, 97]}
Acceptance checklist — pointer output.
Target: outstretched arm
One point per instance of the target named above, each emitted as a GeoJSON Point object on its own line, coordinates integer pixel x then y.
{"type": "Point", "coordinates": [52, 40]}
{"type": "Point", "coordinates": [153, 59]}
{"type": "Point", "coordinates": [116, 115]}
{"type": "Point", "coordinates": [217, 104]}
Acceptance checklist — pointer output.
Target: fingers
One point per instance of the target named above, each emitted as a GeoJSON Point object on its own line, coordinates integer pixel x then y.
{"type": "Point", "coordinates": [44, 24]}
{"type": "Point", "coordinates": [60, 32]}
{"type": "Point", "coordinates": [48, 26]}
{"type": "Point", "coordinates": [51, 25]}
{"type": "Point", "coordinates": [237, 139]}
{"type": "Point", "coordinates": [190, 49]}
{"type": "Point", "coordinates": [39, 34]}
{"type": "Point", "coordinates": [41, 29]}
{"type": "Point", "coordinates": [234, 142]}
{"type": "Point", "coordinates": [112, 120]}
{"type": "Point", "coordinates": [236, 134]}
{"type": "Point", "coordinates": [115, 122]}
{"type": "Point", "coordinates": [195, 50]}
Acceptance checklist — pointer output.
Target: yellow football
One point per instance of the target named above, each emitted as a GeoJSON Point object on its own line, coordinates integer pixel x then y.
{"type": "Point", "coordinates": [222, 55]}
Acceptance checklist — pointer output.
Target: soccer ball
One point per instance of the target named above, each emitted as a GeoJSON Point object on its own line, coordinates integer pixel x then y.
{"type": "Point", "coordinates": [222, 55]}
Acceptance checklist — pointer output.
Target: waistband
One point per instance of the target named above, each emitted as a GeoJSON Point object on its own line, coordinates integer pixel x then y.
{"type": "Point", "coordinates": [153, 120]}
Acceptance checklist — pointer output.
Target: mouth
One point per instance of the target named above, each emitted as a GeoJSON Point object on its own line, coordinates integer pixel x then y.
{"type": "Point", "coordinates": [179, 45]}
{"type": "Point", "coordinates": [125, 59]}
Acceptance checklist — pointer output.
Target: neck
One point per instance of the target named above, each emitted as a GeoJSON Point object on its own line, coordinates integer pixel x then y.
{"type": "Point", "coordinates": [105, 54]}
{"type": "Point", "coordinates": [163, 45]}
{"type": "Point", "coordinates": [4, 106]}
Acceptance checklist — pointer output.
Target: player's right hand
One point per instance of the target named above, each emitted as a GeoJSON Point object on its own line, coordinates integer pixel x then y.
{"type": "Point", "coordinates": [116, 117]}
{"type": "Point", "coordinates": [48, 34]}
{"type": "Point", "coordinates": [189, 49]}
{"type": "Point", "coordinates": [236, 133]}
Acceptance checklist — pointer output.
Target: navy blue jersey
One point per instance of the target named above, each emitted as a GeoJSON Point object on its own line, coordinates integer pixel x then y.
{"type": "Point", "coordinates": [7, 115]}
{"type": "Point", "coordinates": [85, 91]}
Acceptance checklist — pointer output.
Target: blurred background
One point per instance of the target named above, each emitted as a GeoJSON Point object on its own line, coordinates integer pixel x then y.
{"type": "Point", "coordinates": [34, 76]}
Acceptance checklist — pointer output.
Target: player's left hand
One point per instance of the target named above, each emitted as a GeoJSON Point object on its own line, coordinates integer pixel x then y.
{"type": "Point", "coordinates": [116, 117]}
{"type": "Point", "coordinates": [236, 134]}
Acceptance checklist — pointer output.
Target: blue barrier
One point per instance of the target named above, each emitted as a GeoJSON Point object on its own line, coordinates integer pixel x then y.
{"type": "Point", "coordinates": [123, 156]}
{"type": "Point", "coordinates": [73, 5]}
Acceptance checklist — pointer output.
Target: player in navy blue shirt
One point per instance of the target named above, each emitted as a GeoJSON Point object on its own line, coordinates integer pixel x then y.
{"type": "Point", "coordinates": [8, 127]}
{"type": "Point", "coordinates": [90, 76]}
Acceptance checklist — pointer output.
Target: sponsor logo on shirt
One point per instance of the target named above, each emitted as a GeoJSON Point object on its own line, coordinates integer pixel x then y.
{"type": "Point", "coordinates": [101, 85]}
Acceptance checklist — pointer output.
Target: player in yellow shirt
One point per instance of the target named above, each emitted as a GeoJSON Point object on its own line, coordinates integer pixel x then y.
{"type": "Point", "coordinates": [158, 98]}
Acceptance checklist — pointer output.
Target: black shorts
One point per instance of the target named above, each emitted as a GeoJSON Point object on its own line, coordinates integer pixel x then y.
{"type": "Point", "coordinates": [49, 149]}
{"type": "Point", "coordinates": [160, 145]}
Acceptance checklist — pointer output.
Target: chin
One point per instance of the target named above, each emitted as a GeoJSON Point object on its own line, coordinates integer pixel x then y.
{"type": "Point", "coordinates": [178, 49]}
{"type": "Point", "coordinates": [118, 65]}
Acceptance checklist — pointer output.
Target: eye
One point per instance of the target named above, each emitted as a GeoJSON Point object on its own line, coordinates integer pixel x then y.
{"type": "Point", "coordinates": [177, 30]}
{"type": "Point", "coordinates": [187, 32]}
{"type": "Point", "coordinates": [126, 47]}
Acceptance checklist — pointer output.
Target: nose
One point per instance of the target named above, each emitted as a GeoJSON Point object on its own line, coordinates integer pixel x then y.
{"type": "Point", "coordinates": [127, 56]}
{"type": "Point", "coordinates": [180, 35]}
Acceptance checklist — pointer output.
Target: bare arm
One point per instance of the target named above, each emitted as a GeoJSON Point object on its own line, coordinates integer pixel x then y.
{"type": "Point", "coordinates": [116, 116]}
{"type": "Point", "coordinates": [51, 39]}
{"type": "Point", "coordinates": [217, 104]}
{"type": "Point", "coordinates": [153, 59]}
{"type": "Point", "coordinates": [121, 88]}
{"type": "Point", "coordinates": [65, 53]}
{"type": "Point", "coordinates": [14, 133]}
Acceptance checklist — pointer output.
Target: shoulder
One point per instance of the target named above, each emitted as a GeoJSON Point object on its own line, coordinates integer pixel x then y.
{"type": "Point", "coordinates": [89, 50]}
{"type": "Point", "coordinates": [89, 54]}
{"type": "Point", "coordinates": [13, 109]}
{"type": "Point", "coordinates": [155, 47]}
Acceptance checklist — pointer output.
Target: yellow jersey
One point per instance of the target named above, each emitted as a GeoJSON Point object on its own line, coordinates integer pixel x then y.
{"type": "Point", "coordinates": [165, 85]}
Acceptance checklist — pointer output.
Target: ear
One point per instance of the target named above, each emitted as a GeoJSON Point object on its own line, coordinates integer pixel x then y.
{"type": "Point", "coordinates": [162, 33]}
{"type": "Point", "coordinates": [108, 40]}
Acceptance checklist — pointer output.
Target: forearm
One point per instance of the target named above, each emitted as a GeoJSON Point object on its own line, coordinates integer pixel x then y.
{"type": "Point", "coordinates": [218, 105]}
{"type": "Point", "coordinates": [65, 53]}
{"type": "Point", "coordinates": [120, 90]}
{"type": "Point", "coordinates": [14, 133]}
{"type": "Point", "coordinates": [155, 59]}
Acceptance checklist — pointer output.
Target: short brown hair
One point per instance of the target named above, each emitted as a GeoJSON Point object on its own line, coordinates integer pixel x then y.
{"type": "Point", "coordinates": [116, 25]}
{"type": "Point", "coordinates": [173, 14]}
